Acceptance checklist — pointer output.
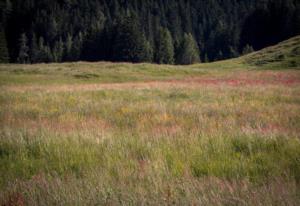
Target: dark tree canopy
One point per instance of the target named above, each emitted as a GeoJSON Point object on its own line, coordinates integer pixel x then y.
{"type": "Point", "coordinates": [123, 30]}
{"type": "Point", "coordinates": [24, 50]}
{"type": "Point", "coordinates": [4, 57]}
{"type": "Point", "coordinates": [129, 44]}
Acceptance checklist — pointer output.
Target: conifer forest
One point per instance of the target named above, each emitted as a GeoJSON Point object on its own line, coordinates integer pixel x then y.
{"type": "Point", "coordinates": [160, 31]}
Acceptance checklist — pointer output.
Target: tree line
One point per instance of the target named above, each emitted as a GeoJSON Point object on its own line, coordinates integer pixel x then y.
{"type": "Point", "coordinates": [161, 31]}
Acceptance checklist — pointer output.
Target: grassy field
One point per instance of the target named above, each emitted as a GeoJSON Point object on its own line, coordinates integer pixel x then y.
{"type": "Point", "coordinates": [223, 133]}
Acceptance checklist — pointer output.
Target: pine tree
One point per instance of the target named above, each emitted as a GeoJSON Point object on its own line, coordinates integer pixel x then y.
{"type": "Point", "coordinates": [52, 29]}
{"type": "Point", "coordinates": [40, 57]}
{"type": "Point", "coordinates": [164, 53]}
{"type": "Point", "coordinates": [5, 11]}
{"type": "Point", "coordinates": [95, 41]}
{"type": "Point", "coordinates": [44, 52]}
{"type": "Point", "coordinates": [68, 48]}
{"type": "Point", "coordinates": [115, 7]}
{"type": "Point", "coordinates": [128, 44]}
{"type": "Point", "coordinates": [233, 53]}
{"type": "Point", "coordinates": [206, 58]}
{"type": "Point", "coordinates": [220, 55]}
{"type": "Point", "coordinates": [77, 47]}
{"type": "Point", "coordinates": [4, 57]}
{"type": "Point", "coordinates": [148, 57]}
{"type": "Point", "coordinates": [23, 57]}
{"type": "Point", "coordinates": [8, 6]}
{"type": "Point", "coordinates": [33, 52]}
{"type": "Point", "coordinates": [188, 52]}
{"type": "Point", "coordinates": [58, 51]}
{"type": "Point", "coordinates": [247, 49]}
{"type": "Point", "coordinates": [48, 54]}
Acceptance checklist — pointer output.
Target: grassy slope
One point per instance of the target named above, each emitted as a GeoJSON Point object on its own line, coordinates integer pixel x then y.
{"type": "Point", "coordinates": [224, 133]}
{"type": "Point", "coordinates": [284, 55]}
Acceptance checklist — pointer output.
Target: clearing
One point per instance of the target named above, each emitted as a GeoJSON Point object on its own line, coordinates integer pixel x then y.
{"type": "Point", "coordinates": [222, 133]}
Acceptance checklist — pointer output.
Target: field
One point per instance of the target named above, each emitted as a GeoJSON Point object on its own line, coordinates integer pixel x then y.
{"type": "Point", "coordinates": [223, 133]}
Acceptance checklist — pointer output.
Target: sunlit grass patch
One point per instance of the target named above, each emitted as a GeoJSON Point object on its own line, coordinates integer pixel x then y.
{"type": "Point", "coordinates": [71, 135]}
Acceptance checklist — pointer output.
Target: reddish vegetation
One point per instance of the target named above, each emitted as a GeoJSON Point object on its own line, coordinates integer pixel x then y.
{"type": "Point", "coordinates": [250, 82]}
{"type": "Point", "coordinates": [15, 199]}
{"type": "Point", "coordinates": [244, 78]}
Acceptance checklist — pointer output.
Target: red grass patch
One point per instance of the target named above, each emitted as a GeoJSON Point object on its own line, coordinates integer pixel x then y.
{"type": "Point", "coordinates": [15, 199]}
{"type": "Point", "coordinates": [249, 79]}
{"type": "Point", "coordinates": [239, 78]}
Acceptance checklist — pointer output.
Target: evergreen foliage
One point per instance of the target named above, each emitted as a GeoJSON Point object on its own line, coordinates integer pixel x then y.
{"type": "Point", "coordinates": [148, 53]}
{"type": "Point", "coordinates": [129, 44]}
{"type": "Point", "coordinates": [188, 51]}
{"type": "Point", "coordinates": [4, 57]}
{"type": "Point", "coordinates": [247, 49]}
{"type": "Point", "coordinates": [24, 50]}
{"type": "Point", "coordinates": [58, 51]}
{"type": "Point", "coordinates": [118, 30]}
{"type": "Point", "coordinates": [164, 48]}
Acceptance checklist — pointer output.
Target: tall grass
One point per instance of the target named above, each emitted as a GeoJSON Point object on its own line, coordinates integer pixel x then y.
{"type": "Point", "coordinates": [218, 145]}
{"type": "Point", "coordinates": [205, 134]}
{"type": "Point", "coordinates": [130, 169]}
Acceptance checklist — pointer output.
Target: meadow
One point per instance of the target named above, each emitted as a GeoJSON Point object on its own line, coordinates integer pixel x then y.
{"type": "Point", "coordinates": [222, 133]}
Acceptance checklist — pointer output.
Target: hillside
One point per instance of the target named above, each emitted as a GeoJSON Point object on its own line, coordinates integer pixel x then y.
{"type": "Point", "coordinates": [283, 55]}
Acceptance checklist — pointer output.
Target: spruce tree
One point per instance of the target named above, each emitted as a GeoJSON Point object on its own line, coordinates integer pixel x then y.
{"type": "Point", "coordinates": [68, 48]}
{"type": "Point", "coordinates": [148, 56]}
{"type": "Point", "coordinates": [129, 43]}
{"type": "Point", "coordinates": [232, 52]}
{"type": "Point", "coordinates": [247, 49]}
{"type": "Point", "coordinates": [164, 53]}
{"type": "Point", "coordinates": [44, 52]}
{"type": "Point", "coordinates": [4, 57]}
{"type": "Point", "coordinates": [76, 47]}
{"type": "Point", "coordinates": [34, 50]}
{"type": "Point", "coordinates": [23, 57]}
{"type": "Point", "coordinates": [188, 51]}
{"type": "Point", "coordinates": [48, 54]}
{"type": "Point", "coordinates": [40, 57]}
{"type": "Point", "coordinates": [58, 51]}
{"type": "Point", "coordinates": [206, 58]}
{"type": "Point", "coordinates": [220, 55]}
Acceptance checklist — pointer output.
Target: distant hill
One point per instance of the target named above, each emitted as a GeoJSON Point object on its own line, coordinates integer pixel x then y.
{"type": "Point", "coordinates": [284, 55]}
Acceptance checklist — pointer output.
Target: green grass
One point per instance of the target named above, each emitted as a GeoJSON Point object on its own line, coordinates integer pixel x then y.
{"type": "Point", "coordinates": [283, 55]}
{"type": "Point", "coordinates": [74, 73]}
{"type": "Point", "coordinates": [224, 133]}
